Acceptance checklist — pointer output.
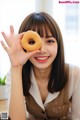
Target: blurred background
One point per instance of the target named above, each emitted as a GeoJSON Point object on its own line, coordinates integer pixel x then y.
{"type": "Point", "coordinates": [12, 12]}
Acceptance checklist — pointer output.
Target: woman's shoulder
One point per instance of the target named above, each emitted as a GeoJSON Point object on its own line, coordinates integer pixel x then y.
{"type": "Point", "coordinates": [74, 70]}
{"type": "Point", "coordinates": [74, 74]}
{"type": "Point", "coordinates": [74, 78]}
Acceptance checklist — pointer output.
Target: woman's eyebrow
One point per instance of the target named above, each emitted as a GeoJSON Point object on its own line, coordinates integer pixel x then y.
{"type": "Point", "coordinates": [48, 36]}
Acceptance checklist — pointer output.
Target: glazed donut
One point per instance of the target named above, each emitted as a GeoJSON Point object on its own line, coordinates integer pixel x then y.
{"type": "Point", "coordinates": [31, 41]}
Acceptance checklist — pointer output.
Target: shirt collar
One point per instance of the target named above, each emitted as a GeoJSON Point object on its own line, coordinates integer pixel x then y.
{"type": "Point", "coordinates": [34, 91]}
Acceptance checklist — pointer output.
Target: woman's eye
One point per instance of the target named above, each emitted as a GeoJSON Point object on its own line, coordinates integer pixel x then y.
{"type": "Point", "coordinates": [50, 41]}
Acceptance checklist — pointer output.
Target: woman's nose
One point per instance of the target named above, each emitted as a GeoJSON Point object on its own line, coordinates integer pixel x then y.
{"type": "Point", "coordinates": [43, 48]}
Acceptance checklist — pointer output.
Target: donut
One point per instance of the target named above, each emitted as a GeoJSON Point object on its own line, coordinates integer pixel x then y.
{"type": "Point", "coordinates": [31, 41]}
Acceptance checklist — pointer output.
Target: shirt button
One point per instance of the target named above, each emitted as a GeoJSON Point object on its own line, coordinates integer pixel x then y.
{"type": "Point", "coordinates": [64, 117]}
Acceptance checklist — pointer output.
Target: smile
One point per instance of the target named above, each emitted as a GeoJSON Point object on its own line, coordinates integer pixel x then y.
{"type": "Point", "coordinates": [42, 59]}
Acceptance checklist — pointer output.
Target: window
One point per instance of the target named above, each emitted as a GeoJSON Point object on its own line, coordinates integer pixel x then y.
{"type": "Point", "coordinates": [68, 18]}
{"type": "Point", "coordinates": [72, 18]}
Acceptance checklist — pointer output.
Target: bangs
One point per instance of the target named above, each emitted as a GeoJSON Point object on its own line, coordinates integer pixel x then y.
{"type": "Point", "coordinates": [41, 25]}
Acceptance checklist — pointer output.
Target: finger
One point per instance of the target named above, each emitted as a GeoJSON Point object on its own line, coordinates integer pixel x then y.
{"type": "Point", "coordinates": [21, 35]}
{"type": "Point", "coordinates": [6, 38]}
{"type": "Point", "coordinates": [11, 29]}
{"type": "Point", "coordinates": [32, 53]}
{"type": "Point", "coordinates": [5, 47]}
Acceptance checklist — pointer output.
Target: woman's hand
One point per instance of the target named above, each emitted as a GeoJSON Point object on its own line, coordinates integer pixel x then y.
{"type": "Point", "coordinates": [14, 49]}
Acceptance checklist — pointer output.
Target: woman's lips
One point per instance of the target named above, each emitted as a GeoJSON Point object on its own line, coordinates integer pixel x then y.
{"type": "Point", "coordinates": [42, 59]}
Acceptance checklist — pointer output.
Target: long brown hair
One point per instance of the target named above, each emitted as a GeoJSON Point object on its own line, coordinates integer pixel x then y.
{"type": "Point", "coordinates": [57, 79]}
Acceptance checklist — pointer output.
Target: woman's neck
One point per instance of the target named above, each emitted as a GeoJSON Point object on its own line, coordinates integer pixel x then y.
{"type": "Point", "coordinates": [42, 74]}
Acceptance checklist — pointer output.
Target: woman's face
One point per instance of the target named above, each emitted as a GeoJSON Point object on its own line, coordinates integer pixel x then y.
{"type": "Point", "coordinates": [47, 54]}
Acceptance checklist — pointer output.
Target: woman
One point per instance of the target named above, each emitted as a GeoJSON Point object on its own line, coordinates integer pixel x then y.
{"type": "Point", "coordinates": [49, 86]}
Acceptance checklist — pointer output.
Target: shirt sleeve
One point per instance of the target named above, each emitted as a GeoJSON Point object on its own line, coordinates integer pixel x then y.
{"type": "Point", "coordinates": [75, 92]}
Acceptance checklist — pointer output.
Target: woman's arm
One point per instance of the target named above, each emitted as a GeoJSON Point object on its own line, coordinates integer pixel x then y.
{"type": "Point", "coordinates": [18, 57]}
{"type": "Point", "coordinates": [17, 105]}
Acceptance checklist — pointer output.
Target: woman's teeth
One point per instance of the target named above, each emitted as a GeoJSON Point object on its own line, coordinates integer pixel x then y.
{"type": "Point", "coordinates": [41, 58]}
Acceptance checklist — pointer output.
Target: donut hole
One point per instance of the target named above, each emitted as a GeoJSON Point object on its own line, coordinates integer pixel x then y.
{"type": "Point", "coordinates": [31, 41]}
